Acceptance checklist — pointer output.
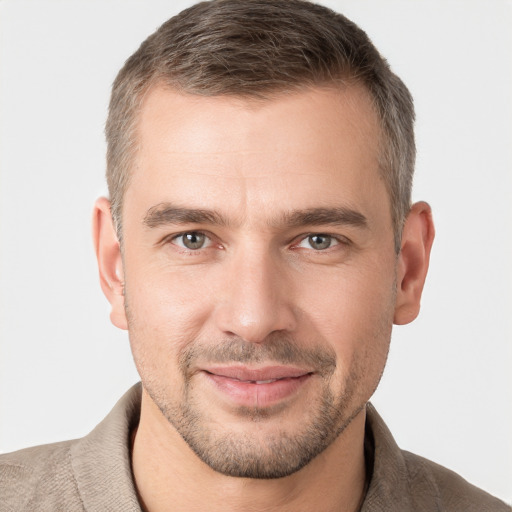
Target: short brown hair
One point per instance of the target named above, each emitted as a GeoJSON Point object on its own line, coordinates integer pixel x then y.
{"type": "Point", "coordinates": [253, 49]}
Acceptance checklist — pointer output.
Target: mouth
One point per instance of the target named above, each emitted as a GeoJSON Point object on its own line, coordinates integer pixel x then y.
{"type": "Point", "coordinates": [257, 387]}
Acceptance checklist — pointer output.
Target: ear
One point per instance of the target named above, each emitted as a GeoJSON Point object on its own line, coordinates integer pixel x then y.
{"type": "Point", "coordinates": [413, 260]}
{"type": "Point", "coordinates": [110, 263]}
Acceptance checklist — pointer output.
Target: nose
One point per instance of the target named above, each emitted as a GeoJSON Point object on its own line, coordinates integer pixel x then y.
{"type": "Point", "coordinates": [256, 297]}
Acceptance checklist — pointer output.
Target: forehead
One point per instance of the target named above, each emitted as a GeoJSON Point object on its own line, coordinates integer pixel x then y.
{"type": "Point", "coordinates": [345, 116]}
{"type": "Point", "coordinates": [314, 147]}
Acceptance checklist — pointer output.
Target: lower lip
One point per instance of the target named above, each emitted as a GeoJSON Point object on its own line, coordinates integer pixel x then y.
{"type": "Point", "coordinates": [250, 394]}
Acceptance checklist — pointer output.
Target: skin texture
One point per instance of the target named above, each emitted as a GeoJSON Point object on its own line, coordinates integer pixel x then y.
{"type": "Point", "coordinates": [297, 273]}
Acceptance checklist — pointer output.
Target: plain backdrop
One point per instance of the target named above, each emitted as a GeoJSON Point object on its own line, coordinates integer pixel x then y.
{"type": "Point", "coordinates": [447, 391]}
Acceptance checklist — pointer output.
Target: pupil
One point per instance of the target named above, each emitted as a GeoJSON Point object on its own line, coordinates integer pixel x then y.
{"type": "Point", "coordinates": [320, 241]}
{"type": "Point", "coordinates": [193, 240]}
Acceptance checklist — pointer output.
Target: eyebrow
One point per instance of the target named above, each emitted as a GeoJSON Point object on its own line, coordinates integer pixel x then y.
{"type": "Point", "coordinates": [167, 214]}
{"type": "Point", "coordinates": [339, 216]}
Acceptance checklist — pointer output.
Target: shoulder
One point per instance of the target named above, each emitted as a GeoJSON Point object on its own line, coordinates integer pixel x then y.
{"type": "Point", "coordinates": [39, 475]}
{"type": "Point", "coordinates": [453, 493]}
{"type": "Point", "coordinates": [401, 480]}
{"type": "Point", "coordinates": [90, 473]}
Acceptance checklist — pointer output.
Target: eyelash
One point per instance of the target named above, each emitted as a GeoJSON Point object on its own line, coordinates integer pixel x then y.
{"type": "Point", "coordinates": [182, 248]}
{"type": "Point", "coordinates": [339, 240]}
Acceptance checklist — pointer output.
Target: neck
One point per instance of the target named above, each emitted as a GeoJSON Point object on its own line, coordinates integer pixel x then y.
{"type": "Point", "coordinates": [169, 475]}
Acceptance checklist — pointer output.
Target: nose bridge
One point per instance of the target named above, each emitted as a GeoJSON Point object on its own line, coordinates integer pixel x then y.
{"type": "Point", "coordinates": [254, 301]}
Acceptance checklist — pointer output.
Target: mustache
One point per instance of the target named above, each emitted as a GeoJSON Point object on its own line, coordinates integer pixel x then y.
{"type": "Point", "coordinates": [276, 348]}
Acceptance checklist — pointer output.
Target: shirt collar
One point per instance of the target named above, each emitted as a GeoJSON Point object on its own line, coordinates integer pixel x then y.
{"type": "Point", "coordinates": [102, 465]}
{"type": "Point", "coordinates": [101, 460]}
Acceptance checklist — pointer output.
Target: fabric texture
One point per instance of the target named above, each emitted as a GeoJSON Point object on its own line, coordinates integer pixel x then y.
{"type": "Point", "coordinates": [94, 473]}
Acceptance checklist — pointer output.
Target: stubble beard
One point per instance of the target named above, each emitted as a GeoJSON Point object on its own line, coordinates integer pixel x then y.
{"type": "Point", "coordinates": [279, 452]}
{"type": "Point", "coordinates": [245, 455]}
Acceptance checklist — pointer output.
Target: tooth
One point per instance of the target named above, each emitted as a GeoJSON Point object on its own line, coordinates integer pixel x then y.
{"type": "Point", "coordinates": [265, 381]}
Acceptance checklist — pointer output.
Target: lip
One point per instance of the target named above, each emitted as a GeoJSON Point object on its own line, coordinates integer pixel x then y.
{"type": "Point", "coordinates": [257, 387]}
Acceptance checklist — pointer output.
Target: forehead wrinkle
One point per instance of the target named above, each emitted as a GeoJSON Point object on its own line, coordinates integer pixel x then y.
{"type": "Point", "coordinates": [238, 174]}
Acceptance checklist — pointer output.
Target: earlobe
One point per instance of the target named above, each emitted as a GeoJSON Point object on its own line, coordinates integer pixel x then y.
{"type": "Point", "coordinates": [413, 261]}
{"type": "Point", "coordinates": [110, 263]}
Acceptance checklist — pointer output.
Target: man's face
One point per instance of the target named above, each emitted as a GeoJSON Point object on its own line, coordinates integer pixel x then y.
{"type": "Point", "coordinates": [259, 271]}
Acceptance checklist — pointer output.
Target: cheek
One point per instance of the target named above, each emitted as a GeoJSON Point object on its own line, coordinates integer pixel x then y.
{"type": "Point", "coordinates": [166, 295]}
{"type": "Point", "coordinates": [348, 301]}
{"type": "Point", "coordinates": [166, 311]}
{"type": "Point", "coordinates": [354, 315]}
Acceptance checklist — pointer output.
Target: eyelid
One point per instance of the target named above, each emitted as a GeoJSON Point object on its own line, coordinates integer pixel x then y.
{"type": "Point", "coordinates": [171, 238]}
{"type": "Point", "coordinates": [339, 239]}
{"type": "Point", "coordinates": [207, 241]}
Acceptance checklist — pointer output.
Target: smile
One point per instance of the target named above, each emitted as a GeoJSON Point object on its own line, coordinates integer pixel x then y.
{"type": "Point", "coordinates": [260, 387]}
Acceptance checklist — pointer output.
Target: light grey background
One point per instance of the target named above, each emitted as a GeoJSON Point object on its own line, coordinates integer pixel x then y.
{"type": "Point", "coordinates": [447, 391]}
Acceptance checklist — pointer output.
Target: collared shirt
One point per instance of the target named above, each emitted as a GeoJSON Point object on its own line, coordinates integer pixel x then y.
{"type": "Point", "coordinates": [94, 473]}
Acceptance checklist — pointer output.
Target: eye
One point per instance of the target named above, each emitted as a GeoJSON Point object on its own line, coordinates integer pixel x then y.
{"type": "Point", "coordinates": [318, 242]}
{"type": "Point", "coordinates": [193, 240]}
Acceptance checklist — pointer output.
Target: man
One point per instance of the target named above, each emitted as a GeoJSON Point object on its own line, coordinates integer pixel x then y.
{"type": "Point", "coordinates": [258, 244]}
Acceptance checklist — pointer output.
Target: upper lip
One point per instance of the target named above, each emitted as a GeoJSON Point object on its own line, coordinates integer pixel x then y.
{"type": "Point", "coordinates": [256, 374]}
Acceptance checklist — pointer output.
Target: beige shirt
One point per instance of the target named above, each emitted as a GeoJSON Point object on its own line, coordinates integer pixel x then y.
{"type": "Point", "coordinates": [94, 473]}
